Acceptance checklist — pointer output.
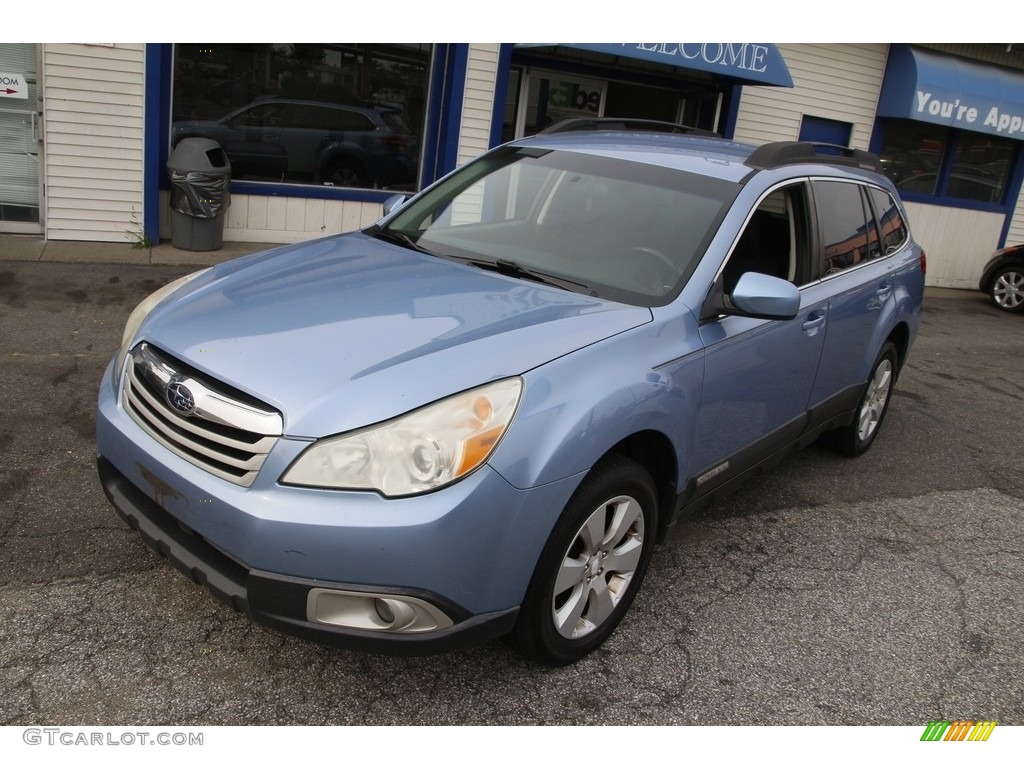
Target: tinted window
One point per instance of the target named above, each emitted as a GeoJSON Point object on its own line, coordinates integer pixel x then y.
{"type": "Point", "coordinates": [891, 224]}
{"type": "Point", "coordinates": [844, 227]}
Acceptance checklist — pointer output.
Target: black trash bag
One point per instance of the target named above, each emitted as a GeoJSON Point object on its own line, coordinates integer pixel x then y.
{"type": "Point", "coordinates": [199, 194]}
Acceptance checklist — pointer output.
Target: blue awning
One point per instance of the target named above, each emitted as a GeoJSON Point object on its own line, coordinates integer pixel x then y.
{"type": "Point", "coordinates": [935, 88]}
{"type": "Point", "coordinates": [759, 63]}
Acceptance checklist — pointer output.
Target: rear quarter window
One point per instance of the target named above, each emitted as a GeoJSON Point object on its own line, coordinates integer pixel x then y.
{"type": "Point", "coordinates": [893, 229]}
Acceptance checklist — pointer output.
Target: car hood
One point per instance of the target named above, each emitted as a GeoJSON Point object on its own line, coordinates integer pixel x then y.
{"type": "Point", "coordinates": [343, 332]}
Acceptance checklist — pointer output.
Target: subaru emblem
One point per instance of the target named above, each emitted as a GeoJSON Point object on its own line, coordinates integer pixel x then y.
{"type": "Point", "coordinates": [180, 397]}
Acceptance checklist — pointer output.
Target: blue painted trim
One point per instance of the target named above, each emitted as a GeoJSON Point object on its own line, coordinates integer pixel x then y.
{"type": "Point", "coordinates": [877, 136]}
{"type": "Point", "coordinates": [451, 122]}
{"type": "Point", "coordinates": [444, 111]}
{"type": "Point", "coordinates": [732, 112]}
{"type": "Point", "coordinates": [312, 192]}
{"type": "Point", "coordinates": [955, 202]}
{"type": "Point", "coordinates": [157, 107]}
{"type": "Point", "coordinates": [432, 119]}
{"type": "Point", "coordinates": [502, 78]}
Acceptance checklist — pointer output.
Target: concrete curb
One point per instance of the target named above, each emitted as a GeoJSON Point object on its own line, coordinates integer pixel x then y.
{"type": "Point", "coordinates": [35, 248]}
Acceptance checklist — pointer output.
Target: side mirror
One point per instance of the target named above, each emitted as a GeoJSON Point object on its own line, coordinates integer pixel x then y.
{"type": "Point", "coordinates": [393, 203]}
{"type": "Point", "coordinates": [765, 297]}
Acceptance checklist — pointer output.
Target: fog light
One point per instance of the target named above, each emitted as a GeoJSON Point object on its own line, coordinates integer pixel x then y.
{"type": "Point", "coordinates": [374, 612]}
{"type": "Point", "coordinates": [384, 611]}
{"type": "Point", "coordinates": [396, 614]}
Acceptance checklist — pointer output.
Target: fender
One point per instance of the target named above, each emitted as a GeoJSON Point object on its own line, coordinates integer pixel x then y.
{"type": "Point", "coordinates": [569, 421]}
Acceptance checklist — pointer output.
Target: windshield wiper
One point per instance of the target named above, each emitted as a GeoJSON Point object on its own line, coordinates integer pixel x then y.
{"type": "Point", "coordinates": [515, 269]}
{"type": "Point", "coordinates": [401, 238]}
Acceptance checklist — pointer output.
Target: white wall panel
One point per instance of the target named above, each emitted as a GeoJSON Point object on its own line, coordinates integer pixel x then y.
{"type": "Point", "coordinates": [958, 242]}
{"type": "Point", "coordinates": [94, 126]}
{"type": "Point", "coordinates": [834, 81]}
{"type": "Point", "coordinates": [1016, 233]}
{"type": "Point", "coordinates": [261, 219]}
{"type": "Point", "coordinates": [478, 100]}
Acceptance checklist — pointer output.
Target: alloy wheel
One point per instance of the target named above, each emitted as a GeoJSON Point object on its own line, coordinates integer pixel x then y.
{"type": "Point", "coordinates": [1008, 290]}
{"type": "Point", "coordinates": [875, 399]}
{"type": "Point", "coordinates": [598, 567]}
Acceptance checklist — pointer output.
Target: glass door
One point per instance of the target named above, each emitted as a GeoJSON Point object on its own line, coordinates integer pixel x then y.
{"type": "Point", "coordinates": [547, 98]}
{"type": "Point", "coordinates": [20, 138]}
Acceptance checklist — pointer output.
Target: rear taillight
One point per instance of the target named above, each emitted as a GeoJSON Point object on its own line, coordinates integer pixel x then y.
{"type": "Point", "coordinates": [924, 264]}
{"type": "Point", "coordinates": [393, 141]}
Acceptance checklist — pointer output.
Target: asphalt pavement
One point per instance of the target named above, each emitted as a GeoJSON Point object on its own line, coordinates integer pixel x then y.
{"type": "Point", "coordinates": [883, 590]}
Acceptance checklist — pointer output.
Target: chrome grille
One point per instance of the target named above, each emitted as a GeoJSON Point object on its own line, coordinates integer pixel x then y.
{"type": "Point", "coordinates": [214, 430]}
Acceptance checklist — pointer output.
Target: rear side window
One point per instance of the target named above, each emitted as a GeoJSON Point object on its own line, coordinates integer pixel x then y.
{"type": "Point", "coordinates": [890, 222]}
{"type": "Point", "coordinates": [848, 234]}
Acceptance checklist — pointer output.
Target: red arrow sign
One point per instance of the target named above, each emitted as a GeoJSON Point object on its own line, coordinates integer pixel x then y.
{"type": "Point", "coordinates": [8, 91]}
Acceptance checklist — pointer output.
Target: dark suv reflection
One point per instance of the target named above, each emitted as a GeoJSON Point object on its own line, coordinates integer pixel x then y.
{"type": "Point", "coordinates": [276, 139]}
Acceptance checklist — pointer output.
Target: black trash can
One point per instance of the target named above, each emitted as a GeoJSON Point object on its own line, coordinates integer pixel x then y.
{"type": "Point", "coordinates": [200, 177]}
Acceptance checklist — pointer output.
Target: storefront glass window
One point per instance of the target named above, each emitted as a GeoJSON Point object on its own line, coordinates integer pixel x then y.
{"type": "Point", "coordinates": [912, 155]}
{"type": "Point", "coordinates": [334, 114]}
{"type": "Point", "coordinates": [981, 167]}
{"type": "Point", "coordinates": [916, 156]}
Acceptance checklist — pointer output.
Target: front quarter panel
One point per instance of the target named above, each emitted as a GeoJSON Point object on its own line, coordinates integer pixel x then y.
{"type": "Point", "coordinates": [578, 407]}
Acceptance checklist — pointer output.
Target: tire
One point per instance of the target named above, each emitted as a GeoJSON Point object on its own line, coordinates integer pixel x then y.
{"type": "Point", "coordinates": [344, 173]}
{"type": "Point", "coordinates": [1007, 288]}
{"type": "Point", "coordinates": [855, 438]}
{"type": "Point", "coordinates": [592, 565]}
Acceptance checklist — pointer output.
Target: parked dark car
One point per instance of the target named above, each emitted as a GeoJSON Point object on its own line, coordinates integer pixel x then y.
{"type": "Point", "coordinates": [1003, 278]}
{"type": "Point", "coordinates": [278, 139]}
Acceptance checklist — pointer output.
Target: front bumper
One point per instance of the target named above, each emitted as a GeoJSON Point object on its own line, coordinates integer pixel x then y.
{"type": "Point", "coordinates": [279, 602]}
{"type": "Point", "coordinates": [466, 551]}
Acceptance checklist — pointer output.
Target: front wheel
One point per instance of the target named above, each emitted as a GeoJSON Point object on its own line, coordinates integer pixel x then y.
{"type": "Point", "coordinates": [857, 437]}
{"type": "Point", "coordinates": [1007, 289]}
{"type": "Point", "coordinates": [592, 565]}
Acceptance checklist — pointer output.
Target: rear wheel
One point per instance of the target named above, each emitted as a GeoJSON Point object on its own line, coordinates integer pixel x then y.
{"type": "Point", "coordinates": [592, 566]}
{"type": "Point", "coordinates": [1007, 288]}
{"type": "Point", "coordinates": [857, 437]}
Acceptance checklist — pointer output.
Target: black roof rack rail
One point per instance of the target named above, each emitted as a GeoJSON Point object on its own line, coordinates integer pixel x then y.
{"type": "Point", "coordinates": [781, 153]}
{"type": "Point", "coordinates": [623, 124]}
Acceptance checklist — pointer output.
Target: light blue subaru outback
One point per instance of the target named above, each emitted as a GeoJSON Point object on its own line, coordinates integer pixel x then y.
{"type": "Point", "coordinates": [477, 417]}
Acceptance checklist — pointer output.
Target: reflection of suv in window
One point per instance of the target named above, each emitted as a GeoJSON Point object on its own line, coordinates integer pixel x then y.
{"type": "Point", "coordinates": [478, 416]}
{"type": "Point", "coordinates": [278, 139]}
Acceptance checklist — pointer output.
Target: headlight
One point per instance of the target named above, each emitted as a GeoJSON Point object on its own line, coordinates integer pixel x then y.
{"type": "Point", "coordinates": [139, 314]}
{"type": "Point", "coordinates": [418, 452]}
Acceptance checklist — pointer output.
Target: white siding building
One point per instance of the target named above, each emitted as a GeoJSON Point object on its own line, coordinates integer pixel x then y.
{"type": "Point", "coordinates": [93, 122]}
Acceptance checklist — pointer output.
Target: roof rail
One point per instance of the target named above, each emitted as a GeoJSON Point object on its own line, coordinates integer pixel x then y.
{"type": "Point", "coordinates": [781, 153]}
{"type": "Point", "coordinates": [623, 124]}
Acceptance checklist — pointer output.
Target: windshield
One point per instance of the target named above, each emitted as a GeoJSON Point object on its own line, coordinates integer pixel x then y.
{"type": "Point", "coordinates": [619, 229]}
